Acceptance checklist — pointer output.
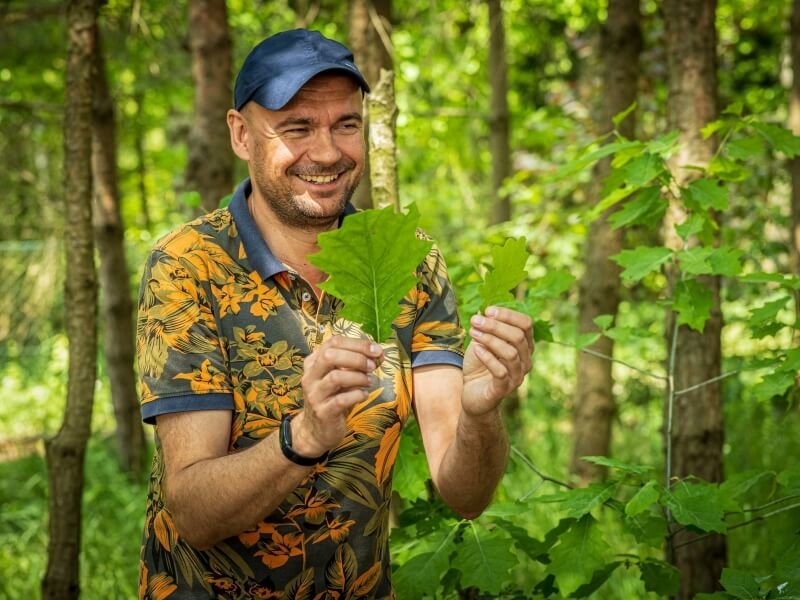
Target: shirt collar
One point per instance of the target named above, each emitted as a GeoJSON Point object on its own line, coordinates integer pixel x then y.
{"type": "Point", "coordinates": [258, 252]}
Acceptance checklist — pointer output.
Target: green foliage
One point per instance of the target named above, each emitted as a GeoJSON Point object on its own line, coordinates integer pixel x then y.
{"type": "Point", "coordinates": [370, 261]}
{"type": "Point", "coordinates": [506, 272]}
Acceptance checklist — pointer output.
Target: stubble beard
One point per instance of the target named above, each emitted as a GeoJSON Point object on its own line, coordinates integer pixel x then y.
{"type": "Point", "coordinates": [294, 212]}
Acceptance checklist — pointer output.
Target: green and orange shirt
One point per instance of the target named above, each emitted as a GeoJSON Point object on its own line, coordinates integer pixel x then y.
{"type": "Point", "coordinates": [224, 325]}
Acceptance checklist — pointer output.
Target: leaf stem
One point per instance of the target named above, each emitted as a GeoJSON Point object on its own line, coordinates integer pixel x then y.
{"type": "Point", "coordinates": [742, 524]}
{"type": "Point", "coordinates": [764, 506]}
{"type": "Point", "coordinates": [611, 359]}
{"type": "Point", "coordinates": [527, 462]}
{"type": "Point", "coordinates": [706, 382]}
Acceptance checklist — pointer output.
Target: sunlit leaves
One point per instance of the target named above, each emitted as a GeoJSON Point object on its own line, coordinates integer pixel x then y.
{"type": "Point", "coordinates": [505, 273]}
{"type": "Point", "coordinates": [640, 262]}
{"type": "Point", "coordinates": [647, 495]}
{"type": "Point", "coordinates": [371, 260]}
{"type": "Point", "coordinates": [647, 208]}
{"type": "Point", "coordinates": [740, 584]}
{"type": "Point", "coordinates": [692, 303]}
{"type": "Point", "coordinates": [580, 501]}
{"type": "Point", "coordinates": [706, 194]}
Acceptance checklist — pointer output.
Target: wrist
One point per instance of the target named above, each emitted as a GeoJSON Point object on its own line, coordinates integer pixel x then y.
{"type": "Point", "coordinates": [297, 445]}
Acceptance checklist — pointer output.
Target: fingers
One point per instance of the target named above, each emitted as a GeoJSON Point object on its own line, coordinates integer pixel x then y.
{"type": "Point", "coordinates": [505, 342]}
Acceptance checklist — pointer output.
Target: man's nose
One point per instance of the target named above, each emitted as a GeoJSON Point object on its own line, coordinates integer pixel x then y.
{"type": "Point", "coordinates": [324, 149]}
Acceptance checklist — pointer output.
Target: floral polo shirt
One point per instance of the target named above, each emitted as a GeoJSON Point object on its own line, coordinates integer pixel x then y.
{"type": "Point", "coordinates": [223, 324]}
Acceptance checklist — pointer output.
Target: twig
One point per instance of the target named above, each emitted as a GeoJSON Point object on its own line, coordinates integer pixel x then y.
{"type": "Point", "coordinates": [706, 382]}
{"type": "Point", "coordinates": [527, 462]}
{"type": "Point", "coordinates": [742, 524]}
{"type": "Point", "coordinates": [611, 359]}
{"type": "Point", "coordinates": [763, 506]}
{"type": "Point", "coordinates": [380, 28]}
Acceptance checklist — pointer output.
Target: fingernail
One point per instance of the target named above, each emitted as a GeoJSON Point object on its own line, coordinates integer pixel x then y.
{"type": "Point", "coordinates": [476, 333]}
{"type": "Point", "coordinates": [374, 348]}
{"type": "Point", "coordinates": [478, 320]}
{"type": "Point", "coordinates": [370, 364]}
{"type": "Point", "coordinates": [491, 311]}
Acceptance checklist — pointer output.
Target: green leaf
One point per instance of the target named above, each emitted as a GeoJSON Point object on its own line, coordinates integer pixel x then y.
{"type": "Point", "coordinates": [411, 467]}
{"type": "Point", "coordinates": [603, 321]}
{"type": "Point", "coordinates": [484, 559]}
{"type": "Point", "coordinates": [780, 138]}
{"type": "Point", "coordinates": [580, 553]}
{"type": "Point", "coordinates": [592, 156]}
{"type": "Point", "coordinates": [713, 127]}
{"type": "Point", "coordinates": [371, 261]}
{"type": "Point", "coordinates": [641, 261]}
{"type": "Point", "coordinates": [736, 486]}
{"type": "Point", "coordinates": [740, 584]}
{"type": "Point", "coordinates": [605, 461]}
{"type": "Point", "coordinates": [647, 495]}
{"type": "Point", "coordinates": [745, 148]}
{"type": "Point", "coordinates": [598, 579]}
{"type": "Point", "coordinates": [697, 504]}
{"type": "Point", "coordinates": [787, 281]}
{"type": "Point", "coordinates": [790, 480]}
{"type": "Point", "coordinates": [506, 272]}
{"type": "Point", "coordinates": [695, 224]}
{"type": "Point", "coordinates": [552, 285]}
{"type": "Point", "coordinates": [420, 575]}
{"type": "Point", "coordinates": [582, 340]}
{"type": "Point", "coordinates": [225, 201]}
{"type": "Point", "coordinates": [693, 302]}
{"type": "Point", "coordinates": [542, 332]}
{"type": "Point", "coordinates": [660, 577]}
{"type": "Point", "coordinates": [191, 199]}
{"type": "Point", "coordinates": [705, 194]}
{"type": "Point", "coordinates": [725, 169]}
{"type": "Point", "coordinates": [579, 501]}
{"type": "Point", "coordinates": [647, 208]}
{"type": "Point", "coordinates": [765, 317]}
{"type": "Point", "coordinates": [726, 261]}
{"type": "Point", "coordinates": [663, 145]}
{"type": "Point", "coordinates": [694, 261]}
{"type": "Point", "coordinates": [772, 385]}
{"type": "Point", "coordinates": [648, 528]}
{"type": "Point", "coordinates": [620, 116]}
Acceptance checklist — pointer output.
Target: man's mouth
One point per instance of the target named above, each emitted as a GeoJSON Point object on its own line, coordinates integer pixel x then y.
{"type": "Point", "coordinates": [318, 179]}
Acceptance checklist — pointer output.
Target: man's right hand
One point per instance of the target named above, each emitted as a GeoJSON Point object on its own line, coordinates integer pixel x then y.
{"type": "Point", "coordinates": [336, 377]}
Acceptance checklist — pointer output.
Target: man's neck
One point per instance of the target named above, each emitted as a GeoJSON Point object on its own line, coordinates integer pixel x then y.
{"type": "Point", "coordinates": [290, 245]}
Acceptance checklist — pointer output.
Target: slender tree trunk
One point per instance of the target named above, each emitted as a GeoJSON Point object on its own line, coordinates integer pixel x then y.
{"type": "Point", "coordinates": [697, 425]}
{"type": "Point", "coordinates": [794, 125]}
{"type": "Point", "coordinates": [65, 452]}
{"type": "Point", "coordinates": [210, 167]}
{"type": "Point", "coordinates": [620, 46]}
{"type": "Point", "coordinates": [114, 282]}
{"type": "Point", "coordinates": [499, 144]}
{"type": "Point", "coordinates": [382, 145]}
{"type": "Point", "coordinates": [141, 169]}
{"type": "Point", "coordinates": [370, 26]}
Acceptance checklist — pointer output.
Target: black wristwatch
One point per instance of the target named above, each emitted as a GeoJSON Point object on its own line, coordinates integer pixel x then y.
{"type": "Point", "coordinates": [285, 436]}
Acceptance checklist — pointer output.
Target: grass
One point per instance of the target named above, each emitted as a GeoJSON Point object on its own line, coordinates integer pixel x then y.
{"type": "Point", "coordinates": [113, 514]}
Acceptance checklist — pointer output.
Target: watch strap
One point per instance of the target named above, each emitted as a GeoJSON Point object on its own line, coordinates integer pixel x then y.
{"type": "Point", "coordinates": [285, 437]}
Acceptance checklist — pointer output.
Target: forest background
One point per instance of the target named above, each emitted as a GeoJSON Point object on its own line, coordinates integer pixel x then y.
{"type": "Point", "coordinates": [670, 245]}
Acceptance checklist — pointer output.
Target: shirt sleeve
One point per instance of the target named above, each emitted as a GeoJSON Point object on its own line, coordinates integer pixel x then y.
{"type": "Point", "coordinates": [438, 337]}
{"type": "Point", "coordinates": [182, 363]}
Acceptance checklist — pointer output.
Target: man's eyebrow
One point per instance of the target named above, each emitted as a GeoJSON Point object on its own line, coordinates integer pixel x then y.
{"type": "Point", "coordinates": [293, 121]}
{"type": "Point", "coordinates": [354, 116]}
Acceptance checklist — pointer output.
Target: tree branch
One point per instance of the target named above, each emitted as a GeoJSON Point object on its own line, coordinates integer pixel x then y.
{"type": "Point", "coordinates": [706, 382]}
{"type": "Point", "coordinates": [527, 462]}
{"type": "Point", "coordinates": [611, 359]}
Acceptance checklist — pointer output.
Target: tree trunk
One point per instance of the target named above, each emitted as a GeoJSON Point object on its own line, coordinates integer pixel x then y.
{"type": "Point", "coordinates": [794, 125]}
{"type": "Point", "coordinates": [370, 26]}
{"type": "Point", "coordinates": [620, 46]}
{"type": "Point", "coordinates": [210, 167]}
{"type": "Point", "coordinates": [65, 452]}
{"type": "Point", "coordinates": [141, 168]}
{"type": "Point", "coordinates": [114, 282]}
{"type": "Point", "coordinates": [499, 144]}
{"type": "Point", "coordinates": [697, 426]}
{"type": "Point", "coordinates": [382, 146]}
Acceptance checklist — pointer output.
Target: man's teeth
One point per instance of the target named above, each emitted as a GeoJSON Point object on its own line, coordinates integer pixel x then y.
{"type": "Point", "coordinates": [318, 178]}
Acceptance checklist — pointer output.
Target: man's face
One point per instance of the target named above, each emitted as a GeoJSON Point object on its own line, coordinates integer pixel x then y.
{"type": "Point", "coordinates": [307, 158]}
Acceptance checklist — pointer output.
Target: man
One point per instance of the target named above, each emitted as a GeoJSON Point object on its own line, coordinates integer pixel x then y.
{"type": "Point", "coordinates": [277, 421]}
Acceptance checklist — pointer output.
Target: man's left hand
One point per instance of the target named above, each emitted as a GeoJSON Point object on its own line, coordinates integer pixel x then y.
{"type": "Point", "coordinates": [497, 360]}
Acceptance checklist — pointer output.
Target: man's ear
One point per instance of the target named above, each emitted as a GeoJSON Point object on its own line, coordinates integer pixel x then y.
{"type": "Point", "coordinates": [237, 124]}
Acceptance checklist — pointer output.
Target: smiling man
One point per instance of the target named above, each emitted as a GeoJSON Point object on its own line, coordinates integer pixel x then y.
{"type": "Point", "coordinates": [277, 421]}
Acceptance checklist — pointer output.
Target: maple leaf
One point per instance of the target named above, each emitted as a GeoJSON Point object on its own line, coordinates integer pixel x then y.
{"type": "Point", "coordinates": [506, 272]}
{"type": "Point", "coordinates": [371, 261]}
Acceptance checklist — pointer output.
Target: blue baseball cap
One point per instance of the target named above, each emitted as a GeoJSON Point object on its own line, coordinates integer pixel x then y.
{"type": "Point", "coordinates": [278, 67]}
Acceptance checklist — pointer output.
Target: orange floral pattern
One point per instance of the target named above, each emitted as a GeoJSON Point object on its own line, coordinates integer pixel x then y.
{"type": "Point", "coordinates": [215, 331]}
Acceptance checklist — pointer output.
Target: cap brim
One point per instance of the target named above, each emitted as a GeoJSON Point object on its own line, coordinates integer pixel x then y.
{"type": "Point", "coordinates": [277, 94]}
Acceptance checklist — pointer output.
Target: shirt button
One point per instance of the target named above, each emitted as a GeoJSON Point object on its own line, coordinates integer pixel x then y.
{"type": "Point", "coordinates": [292, 276]}
{"type": "Point", "coordinates": [322, 328]}
{"type": "Point", "coordinates": [306, 297]}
